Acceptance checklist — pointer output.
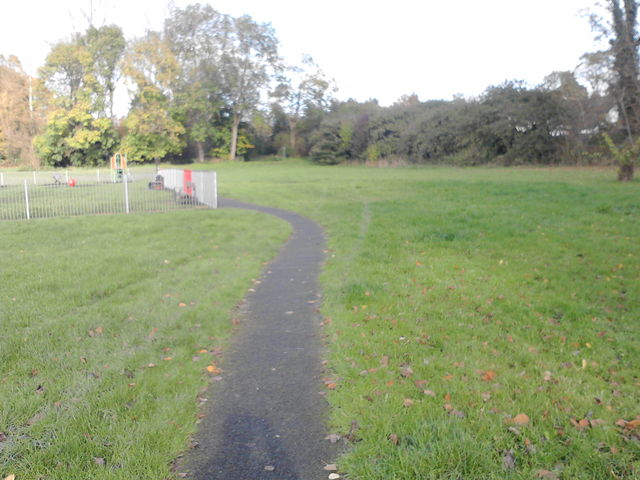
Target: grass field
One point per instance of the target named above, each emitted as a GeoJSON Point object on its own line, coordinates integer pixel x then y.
{"type": "Point", "coordinates": [481, 323]}
{"type": "Point", "coordinates": [109, 325]}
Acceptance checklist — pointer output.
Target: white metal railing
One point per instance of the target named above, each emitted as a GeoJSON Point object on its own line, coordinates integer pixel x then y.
{"type": "Point", "coordinates": [29, 195]}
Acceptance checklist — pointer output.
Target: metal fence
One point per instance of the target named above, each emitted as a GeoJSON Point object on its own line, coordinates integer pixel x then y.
{"type": "Point", "coordinates": [29, 195]}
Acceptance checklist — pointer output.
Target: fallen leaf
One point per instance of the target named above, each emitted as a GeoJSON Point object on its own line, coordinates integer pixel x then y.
{"type": "Point", "coordinates": [182, 304]}
{"type": "Point", "coordinates": [420, 383]}
{"type": "Point", "coordinates": [581, 424]}
{"type": "Point", "coordinates": [486, 396]}
{"type": "Point", "coordinates": [99, 460]}
{"type": "Point", "coordinates": [167, 358]}
{"type": "Point", "coordinates": [213, 370]}
{"type": "Point", "coordinates": [332, 386]}
{"type": "Point", "coordinates": [333, 438]}
{"type": "Point", "coordinates": [10, 477]}
{"type": "Point", "coordinates": [332, 467]}
{"type": "Point", "coordinates": [521, 419]}
{"type": "Point", "coordinates": [547, 376]}
{"type": "Point", "coordinates": [407, 402]}
{"type": "Point", "coordinates": [3, 437]}
{"type": "Point", "coordinates": [430, 393]}
{"type": "Point", "coordinates": [458, 413]}
{"type": "Point", "coordinates": [488, 375]}
{"type": "Point", "coordinates": [394, 439]}
{"type": "Point", "coordinates": [448, 407]}
{"type": "Point", "coordinates": [632, 424]}
{"type": "Point", "coordinates": [334, 476]}
{"type": "Point", "coordinates": [384, 361]}
{"type": "Point", "coordinates": [269, 468]}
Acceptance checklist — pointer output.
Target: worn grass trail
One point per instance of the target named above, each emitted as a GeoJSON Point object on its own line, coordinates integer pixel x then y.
{"type": "Point", "coordinates": [267, 419]}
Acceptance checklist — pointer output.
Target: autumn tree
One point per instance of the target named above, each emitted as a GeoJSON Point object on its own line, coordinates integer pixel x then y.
{"type": "Point", "coordinates": [20, 117]}
{"type": "Point", "coordinates": [152, 132]}
{"type": "Point", "coordinates": [81, 75]}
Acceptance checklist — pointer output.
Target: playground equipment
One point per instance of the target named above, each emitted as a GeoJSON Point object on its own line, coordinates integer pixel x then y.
{"type": "Point", "coordinates": [118, 166]}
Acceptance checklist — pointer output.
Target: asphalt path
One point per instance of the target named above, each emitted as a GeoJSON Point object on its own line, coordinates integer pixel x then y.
{"type": "Point", "coordinates": [266, 418]}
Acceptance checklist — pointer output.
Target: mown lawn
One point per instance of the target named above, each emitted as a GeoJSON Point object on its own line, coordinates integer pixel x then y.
{"type": "Point", "coordinates": [111, 326]}
{"type": "Point", "coordinates": [482, 323]}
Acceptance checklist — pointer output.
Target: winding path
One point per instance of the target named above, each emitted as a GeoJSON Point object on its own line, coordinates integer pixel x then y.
{"type": "Point", "coordinates": [267, 419]}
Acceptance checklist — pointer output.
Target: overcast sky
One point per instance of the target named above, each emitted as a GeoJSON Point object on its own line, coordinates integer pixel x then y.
{"type": "Point", "coordinates": [372, 48]}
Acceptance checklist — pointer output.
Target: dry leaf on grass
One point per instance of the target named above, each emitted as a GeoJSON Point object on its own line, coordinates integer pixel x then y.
{"type": "Point", "coordinates": [521, 419]}
{"type": "Point", "coordinates": [488, 375]}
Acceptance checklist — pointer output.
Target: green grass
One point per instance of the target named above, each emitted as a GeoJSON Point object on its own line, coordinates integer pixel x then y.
{"type": "Point", "coordinates": [108, 325]}
{"type": "Point", "coordinates": [473, 296]}
{"type": "Point", "coordinates": [454, 300]}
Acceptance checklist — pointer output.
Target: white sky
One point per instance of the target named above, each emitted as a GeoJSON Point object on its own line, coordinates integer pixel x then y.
{"type": "Point", "coordinates": [372, 48]}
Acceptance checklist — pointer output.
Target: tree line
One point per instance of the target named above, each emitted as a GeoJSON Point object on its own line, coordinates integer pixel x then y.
{"type": "Point", "coordinates": [213, 85]}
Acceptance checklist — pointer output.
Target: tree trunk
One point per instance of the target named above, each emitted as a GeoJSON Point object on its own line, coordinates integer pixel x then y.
{"type": "Point", "coordinates": [625, 172]}
{"type": "Point", "coordinates": [234, 136]}
{"type": "Point", "coordinates": [292, 135]}
{"type": "Point", "coordinates": [200, 152]}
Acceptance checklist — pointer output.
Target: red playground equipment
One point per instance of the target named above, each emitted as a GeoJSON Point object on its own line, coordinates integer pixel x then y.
{"type": "Point", "coordinates": [118, 166]}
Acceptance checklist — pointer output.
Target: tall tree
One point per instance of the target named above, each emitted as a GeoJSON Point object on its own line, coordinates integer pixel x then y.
{"type": "Point", "coordinates": [20, 117]}
{"type": "Point", "coordinates": [152, 132]}
{"type": "Point", "coordinates": [248, 60]}
{"type": "Point", "coordinates": [305, 87]}
{"type": "Point", "coordinates": [106, 46]}
{"type": "Point", "coordinates": [624, 84]}
{"type": "Point", "coordinates": [67, 72]}
{"type": "Point", "coordinates": [194, 36]}
{"type": "Point", "coordinates": [78, 131]}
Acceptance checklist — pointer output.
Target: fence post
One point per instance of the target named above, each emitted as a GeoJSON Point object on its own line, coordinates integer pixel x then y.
{"type": "Point", "coordinates": [35, 180]}
{"type": "Point", "coordinates": [126, 192]}
{"type": "Point", "coordinates": [2, 179]}
{"type": "Point", "coordinates": [98, 175]}
{"type": "Point", "coordinates": [66, 176]}
{"type": "Point", "coordinates": [215, 189]}
{"type": "Point", "coordinates": [26, 199]}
